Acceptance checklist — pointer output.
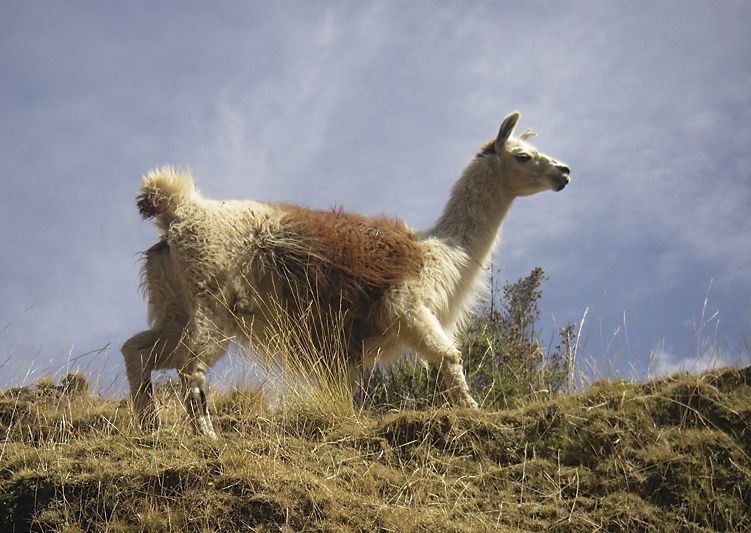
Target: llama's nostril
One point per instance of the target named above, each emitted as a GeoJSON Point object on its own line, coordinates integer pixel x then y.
{"type": "Point", "coordinates": [563, 168]}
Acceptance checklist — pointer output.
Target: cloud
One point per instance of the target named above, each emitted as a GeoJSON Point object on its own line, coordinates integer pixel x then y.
{"type": "Point", "coordinates": [377, 107]}
{"type": "Point", "coordinates": [666, 363]}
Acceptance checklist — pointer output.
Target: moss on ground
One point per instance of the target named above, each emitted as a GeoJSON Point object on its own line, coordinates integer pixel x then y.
{"type": "Point", "coordinates": [667, 455]}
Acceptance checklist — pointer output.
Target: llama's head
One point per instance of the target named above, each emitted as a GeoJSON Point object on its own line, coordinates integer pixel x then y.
{"type": "Point", "coordinates": [523, 169]}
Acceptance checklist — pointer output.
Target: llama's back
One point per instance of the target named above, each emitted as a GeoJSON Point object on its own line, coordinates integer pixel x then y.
{"type": "Point", "coordinates": [344, 259]}
{"type": "Point", "coordinates": [321, 272]}
{"type": "Point", "coordinates": [273, 254]}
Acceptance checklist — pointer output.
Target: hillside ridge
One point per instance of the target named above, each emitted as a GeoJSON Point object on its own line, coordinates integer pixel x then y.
{"type": "Point", "coordinates": [670, 454]}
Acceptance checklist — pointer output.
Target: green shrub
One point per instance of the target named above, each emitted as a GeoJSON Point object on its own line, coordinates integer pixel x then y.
{"type": "Point", "coordinates": [504, 360]}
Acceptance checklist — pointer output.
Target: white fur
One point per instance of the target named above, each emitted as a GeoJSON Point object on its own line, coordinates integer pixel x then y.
{"type": "Point", "coordinates": [212, 277]}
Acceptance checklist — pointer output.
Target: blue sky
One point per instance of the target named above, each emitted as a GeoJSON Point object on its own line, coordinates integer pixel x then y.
{"type": "Point", "coordinates": [378, 106]}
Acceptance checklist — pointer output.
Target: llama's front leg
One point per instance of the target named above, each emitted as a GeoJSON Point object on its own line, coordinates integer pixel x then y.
{"type": "Point", "coordinates": [139, 355]}
{"type": "Point", "coordinates": [426, 336]}
{"type": "Point", "coordinates": [193, 380]}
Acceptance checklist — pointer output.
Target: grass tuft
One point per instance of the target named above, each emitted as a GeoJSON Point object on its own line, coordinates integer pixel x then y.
{"type": "Point", "coordinates": [670, 455]}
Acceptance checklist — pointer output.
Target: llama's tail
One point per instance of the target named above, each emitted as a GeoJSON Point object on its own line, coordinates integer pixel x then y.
{"type": "Point", "coordinates": [162, 191]}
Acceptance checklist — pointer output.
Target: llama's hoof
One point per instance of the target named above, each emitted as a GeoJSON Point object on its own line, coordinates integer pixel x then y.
{"type": "Point", "coordinates": [208, 434]}
{"type": "Point", "coordinates": [202, 427]}
{"type": "Point", "coordinates": [467, 402]}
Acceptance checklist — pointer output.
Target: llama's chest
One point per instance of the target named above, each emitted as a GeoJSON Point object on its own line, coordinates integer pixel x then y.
{"type": "Point", "coordinates": [445, 281]}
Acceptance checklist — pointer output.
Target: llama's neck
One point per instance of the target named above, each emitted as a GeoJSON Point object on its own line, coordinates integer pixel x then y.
{"type": "Point", "coordinates": [473, 215]}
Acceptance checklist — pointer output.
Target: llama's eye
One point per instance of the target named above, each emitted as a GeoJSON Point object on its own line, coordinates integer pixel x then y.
{"type": "Point", "coordinates": [523, 158]}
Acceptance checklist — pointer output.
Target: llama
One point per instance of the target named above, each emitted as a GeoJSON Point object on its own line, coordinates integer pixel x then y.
{"type": "Point", "coordinates": [222, 270]}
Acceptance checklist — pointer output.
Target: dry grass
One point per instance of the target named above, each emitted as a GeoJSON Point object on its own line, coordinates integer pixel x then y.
{"type": "Point", "coordinates": [306, 362]}
{"type": "Point", "coordinates": [667, 455]}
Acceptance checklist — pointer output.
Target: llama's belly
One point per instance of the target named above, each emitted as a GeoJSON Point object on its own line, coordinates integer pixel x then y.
{"type": "Point", "coordinates": [383, 349]}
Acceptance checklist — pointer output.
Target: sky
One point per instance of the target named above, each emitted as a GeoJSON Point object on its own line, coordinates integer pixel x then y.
{"type": "Point", "coordinates": [377, 106]}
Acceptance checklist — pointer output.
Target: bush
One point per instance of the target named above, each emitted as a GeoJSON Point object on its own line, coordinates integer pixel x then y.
{"type": "Point", "coordinates": [504, 361]}
{"type": "Point", "coordinates": [74, 383]}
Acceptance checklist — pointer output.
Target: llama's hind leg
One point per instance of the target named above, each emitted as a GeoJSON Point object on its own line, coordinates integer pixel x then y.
{"type": "Point", "coordinates": [426, 336]}
{"type": "Point", "coordinates": [203, 345]}
{"type": "Point", "coordinates": [139, 353]}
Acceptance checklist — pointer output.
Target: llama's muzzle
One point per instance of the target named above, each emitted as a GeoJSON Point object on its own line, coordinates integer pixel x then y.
{"type": "Point", "coordinates": [561, 182]}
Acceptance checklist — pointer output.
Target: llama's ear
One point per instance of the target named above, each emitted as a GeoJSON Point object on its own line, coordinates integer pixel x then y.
{"type": "Point", "coordinates": [507, 127]}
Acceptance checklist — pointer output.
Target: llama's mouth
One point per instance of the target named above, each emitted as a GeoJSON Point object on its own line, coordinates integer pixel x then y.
{"type": "Point", "coordinates": [561, 183]}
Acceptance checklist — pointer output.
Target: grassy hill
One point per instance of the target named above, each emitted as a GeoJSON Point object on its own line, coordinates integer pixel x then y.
{"type": "Point", "coordinates": [672, 454]}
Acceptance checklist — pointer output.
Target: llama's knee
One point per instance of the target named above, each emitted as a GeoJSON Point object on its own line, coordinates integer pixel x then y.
{"type": "Point", "coordinates": [431, 341]}
{"type": "Point", "coordinates": [204, 338]}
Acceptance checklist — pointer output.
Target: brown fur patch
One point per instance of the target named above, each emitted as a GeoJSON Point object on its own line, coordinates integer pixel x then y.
{"type": "Point", "coordinates": [346, 259]}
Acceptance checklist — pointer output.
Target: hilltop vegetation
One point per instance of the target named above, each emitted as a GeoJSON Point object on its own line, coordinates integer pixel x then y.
{"type": "Point", "coordinates": [668, 455]}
